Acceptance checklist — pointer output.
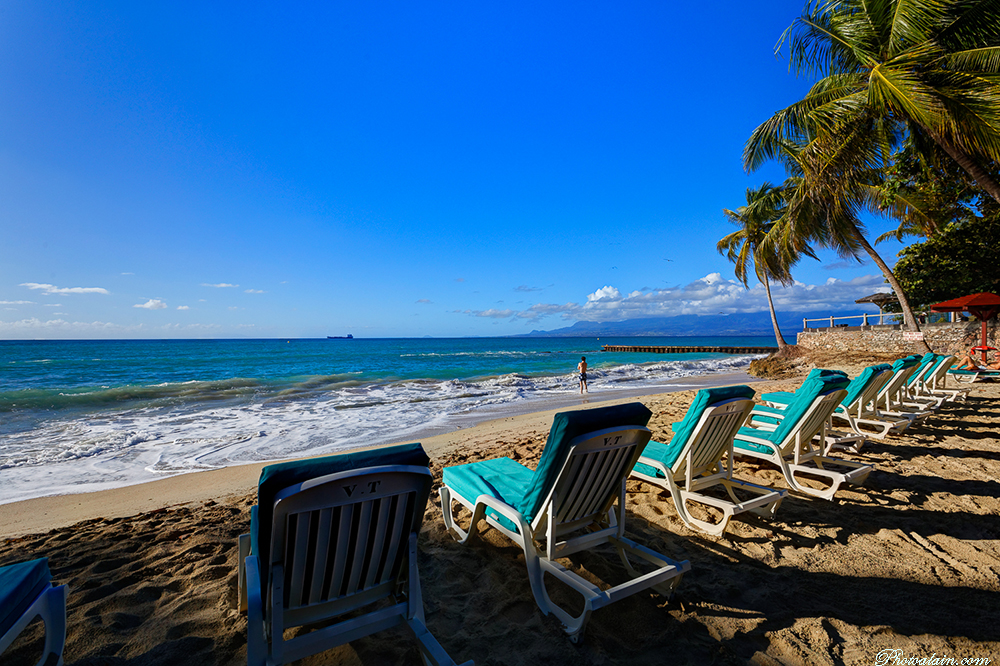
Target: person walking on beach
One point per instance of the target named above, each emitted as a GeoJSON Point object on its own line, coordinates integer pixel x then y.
{"type": "Point", "coordinates": [582, 369]}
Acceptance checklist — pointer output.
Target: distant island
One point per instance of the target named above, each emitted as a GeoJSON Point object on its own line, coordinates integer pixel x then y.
{"type": "Point", "coordinates": [740, 323]}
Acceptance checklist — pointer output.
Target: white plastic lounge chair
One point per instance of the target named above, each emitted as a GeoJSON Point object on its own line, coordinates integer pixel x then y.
{"type": "Point", "coordinates": [892, 398]}
{"type": "Point", "coordinates": [916, 392]}
{"type": "Point", "coordinates": [330, 536]}
{"type": "Point", "coordinates": [858, 408]}
{"type": "Point", "coordinates": [700, 456]}
{"type": "Point", "coordinates": [567, 505]}
{"type": "Point", "coordinates": [26, 592]}
{"type": "Point", "coordinates": [970, 376]}
{"type": "Point", "coordinates": [785, 438]}
{"type": "Point", "coordinates": [934, 382]}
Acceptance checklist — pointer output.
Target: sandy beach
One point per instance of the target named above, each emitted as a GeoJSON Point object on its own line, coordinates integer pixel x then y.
{"type": "Point", "coordinates": [907, 563]}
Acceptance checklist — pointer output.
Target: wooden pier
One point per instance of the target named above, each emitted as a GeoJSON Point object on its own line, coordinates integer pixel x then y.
{"type": "Point", "coordinates": [689, 350]}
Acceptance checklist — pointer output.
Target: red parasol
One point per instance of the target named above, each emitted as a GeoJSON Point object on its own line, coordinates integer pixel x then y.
{"type": "Point", "coordinates": [981, 306]}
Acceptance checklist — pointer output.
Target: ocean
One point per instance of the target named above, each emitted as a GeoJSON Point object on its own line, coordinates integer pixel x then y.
{"type": "Point", "coordinates": [78, 416]}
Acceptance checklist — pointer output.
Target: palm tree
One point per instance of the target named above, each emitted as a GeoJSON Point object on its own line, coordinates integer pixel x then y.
{"type": "Point", "coordinates": [930, 67]}
{"type": "Point", "coordinates": [749, 243]}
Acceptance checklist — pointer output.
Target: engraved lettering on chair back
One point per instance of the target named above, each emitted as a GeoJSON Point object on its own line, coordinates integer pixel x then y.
{"type": "Point", "coordinates": [593, 474]}
{"type": "Point", "coordinates": [343, 539]}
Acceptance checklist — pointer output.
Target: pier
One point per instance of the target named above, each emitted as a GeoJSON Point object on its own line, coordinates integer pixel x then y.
{"type": "Point", "coordinates": [689, 350]}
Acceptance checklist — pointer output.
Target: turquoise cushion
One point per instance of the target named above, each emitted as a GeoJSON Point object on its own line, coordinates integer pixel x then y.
{"type": "Point", "coordinates": [905, 362]}
{"type": "Point", "coordinates": [753, 446]}
{"type": "Point", "coordinates": [565, 427]}
{"type": "Point", "coordinates": [502, 478]}
{"type": "Point", "coordinates": [667, 454]}
{"type": "Point", "coordinates": [778, 397]}
{"type": "Point", "coordinates": [275, 478]}
{"type": "Point", "coordinates": [862, 381]}
{"type": "Point", "coordinates": [811, 388]}
{"type": "Point", "coordinates": [925, 363]}
{"type": "Point", "coordinates": [20, 585]}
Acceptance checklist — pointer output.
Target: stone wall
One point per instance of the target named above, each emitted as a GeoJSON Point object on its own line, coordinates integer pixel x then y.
{"type": "Point", "coordinates": [942, 338]}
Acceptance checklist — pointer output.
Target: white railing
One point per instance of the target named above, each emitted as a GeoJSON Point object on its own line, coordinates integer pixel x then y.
{"type": "Point", "coordinates": [883, 318]}
{"type": "Point", "coordinates": [865, 320]}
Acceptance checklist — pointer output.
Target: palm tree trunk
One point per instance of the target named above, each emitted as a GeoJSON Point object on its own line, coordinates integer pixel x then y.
{"type": "Point", "coordinates": [971, 166]}
{"type": "Point", "coordinates": [782, 345]}
{"type": "Point", "coordinates": [904, 304]}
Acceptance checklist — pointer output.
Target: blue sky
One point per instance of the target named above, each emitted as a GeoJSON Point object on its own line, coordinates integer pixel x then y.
{"type": "Point", "coordinates": [383, 169]}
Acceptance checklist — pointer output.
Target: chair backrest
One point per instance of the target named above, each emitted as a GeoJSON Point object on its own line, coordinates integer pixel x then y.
{"type": "Point", "coordinates": [339, 541]}
{"type": "Point", "coordinates": [939, 373]}
{"type": "Point", "coordinates": [566, 427]}
{"type": "Point", "coordinates": [806, 415]}
{"type": "Point", "coordinates": [592, 476]}
{"type": "Point", "coordinates": [926, 363]}
{"type": "Point", "coordinates": [289, 488]}
{"type": "Point", "coordinates": [863, 388]}
{"type": "Point", "coordinates": [708, 427]}
{"type": "Point", "coordinates": [902, 370]}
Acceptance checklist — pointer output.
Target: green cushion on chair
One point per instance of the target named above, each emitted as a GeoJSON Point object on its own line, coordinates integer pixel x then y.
{"type": "Point", "coordinates": [753, 446]}
{"type": "Point", "coordinates": [811, 388]}
{"type": "Point", "coordinates": [861, 382]}
{"type": "Point", "coordinates": [565, 427]}
{"type": "Point", "coordinates": [275, 478]}
{"type": "Point", "coordinates": [667, 454]}
{"type": "Point", "coordinates": [502, 478]}
{"type": "Point", "coordinates": [20, 585]}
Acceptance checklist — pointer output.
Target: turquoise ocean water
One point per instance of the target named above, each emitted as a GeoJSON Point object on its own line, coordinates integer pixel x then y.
{"type": "Point", "coordinates": [86, 415]}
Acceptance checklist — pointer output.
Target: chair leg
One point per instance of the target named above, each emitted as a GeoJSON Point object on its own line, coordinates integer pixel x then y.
{"type": "Point", "coordinates": [447, 506]}
{"type": "Point", "coordinates": [53, 612]}
{"type": "Point", "coordinates": [241, 578]}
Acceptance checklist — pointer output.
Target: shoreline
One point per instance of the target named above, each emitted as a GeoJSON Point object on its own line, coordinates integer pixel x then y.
{"type": "Point", "coordinates": [48, 512]}
{"type": "Point", "coordinates": [893, 565]}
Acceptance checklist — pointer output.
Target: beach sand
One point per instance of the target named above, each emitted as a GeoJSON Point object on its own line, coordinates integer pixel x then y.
{"type": "Point", "coordinates": [907, 562]}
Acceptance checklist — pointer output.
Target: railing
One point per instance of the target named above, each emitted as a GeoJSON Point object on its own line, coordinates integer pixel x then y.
{"type": "Point", "coordinates": [894, 319]}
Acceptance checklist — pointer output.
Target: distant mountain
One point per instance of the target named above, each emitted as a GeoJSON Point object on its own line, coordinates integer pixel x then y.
{"type": "Point", "coordinates": [743, 323]}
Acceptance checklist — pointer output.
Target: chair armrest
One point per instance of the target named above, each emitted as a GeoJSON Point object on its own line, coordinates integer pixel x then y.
{"type": "Point", "coordinates": [507, 511]}
{"type": "Point", "coordinates": [256, 632]}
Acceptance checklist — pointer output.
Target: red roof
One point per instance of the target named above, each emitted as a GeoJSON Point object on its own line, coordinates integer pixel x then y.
{"type": "Point", "coordinates": [983, 306]}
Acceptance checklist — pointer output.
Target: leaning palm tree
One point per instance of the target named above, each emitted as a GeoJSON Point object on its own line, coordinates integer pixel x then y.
{"type": "Point", "coordinates": [924, 66]}
{"type": "Point", "coordinates": [749, 244]}
{"type": "Point", "coordinates": [826, 210]}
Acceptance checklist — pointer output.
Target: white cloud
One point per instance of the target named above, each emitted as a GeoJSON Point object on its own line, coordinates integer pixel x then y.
{"type": "Point", "coordinates": [221, 285]}
{"type": "Point", "coordinates": [425, 301]}
{"type": "Point", "coordinates": [183, 307]}
{"type": "Point", "coordinates": [52, 289]}
{"type": "Point", "coordinates": [711, 294]}
{"type": "Point", "coordinates": [254, 291]}
{"type": "Point", "coordinates": [151, 304]}
{"type": "Point", "coordinates": [17, 302]}
{"type": "Point", "coordinates": [604, 293]}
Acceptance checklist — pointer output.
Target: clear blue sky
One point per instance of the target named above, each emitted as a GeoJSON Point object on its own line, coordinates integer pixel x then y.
{"type": "Point", "coordinates": [383, 169]}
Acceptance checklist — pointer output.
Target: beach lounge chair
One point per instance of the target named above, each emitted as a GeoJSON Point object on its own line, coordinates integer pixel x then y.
{"type": "Point", "coordinates": [330, 536]}
{"type": "Point", "coordinates": [858, 408]}
{"type": "Point", "coordinates": [785, 438]}
{"type": "Point", "coordinates": [918, 386]}
{"type": "Point", "coordinates": [573, 501]}
{"type": "Point", "coordinates": [26, 592]}
{"type": "Point", "coordinates": [934, 382]}
{"type": "Point", "coordinates": [700, 456]}
{"type": "Point", "coordinates": [892, 397]}
{"type": "Point", "coordinates": [970, 376]}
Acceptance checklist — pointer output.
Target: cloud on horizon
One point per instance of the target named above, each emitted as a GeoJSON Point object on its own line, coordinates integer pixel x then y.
{"type": "Point", "coordinates": [52, 289]}
{"type": "Point", "coordinates": [221, 285]}
{"type": "Point", "coordinates": [709, 295]}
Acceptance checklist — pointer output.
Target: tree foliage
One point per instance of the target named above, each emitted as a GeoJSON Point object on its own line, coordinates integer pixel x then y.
{"type": "Point", "coordinates": [961, 259]}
